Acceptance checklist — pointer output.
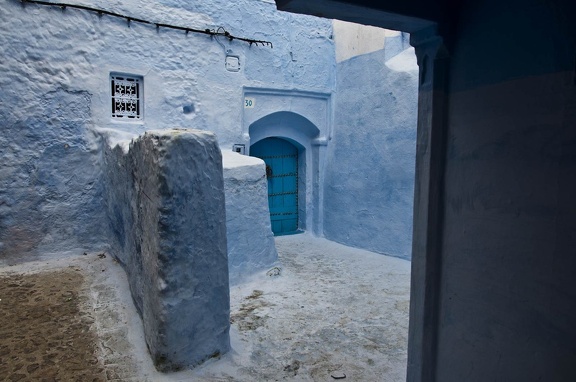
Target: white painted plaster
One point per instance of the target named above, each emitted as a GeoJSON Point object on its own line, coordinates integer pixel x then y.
{"type": "Point", "coordinates": [355, 39]}
{"type": "Point", "coordinates": [245, 165]}
{"type": "Point", "coordinates": [166, 209]}
{"type": "Point", "coordinates": [250, 239]}
{"type": "Point", "coordinates": [55, 99]}
{"type": "Point", "coordinates": [404, 62]}
{"type": "Point", "coordinates": [72, 179]}
{"type": "Point", "coordinates": [370, 162]}
{"type": "Point", "coordinates": [55, 102]}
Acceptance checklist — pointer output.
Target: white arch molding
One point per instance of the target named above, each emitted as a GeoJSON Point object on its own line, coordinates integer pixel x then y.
{"type": "Point", "coordinates": [303, 134]}
{"type": "Point", "coordinates": [305, 118]}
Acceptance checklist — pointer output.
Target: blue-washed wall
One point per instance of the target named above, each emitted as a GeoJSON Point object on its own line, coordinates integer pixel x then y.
{"type": "Point", "coordinates": [50, 183]}
{"type": "Point", "coordinates": [162, 225]}
{"type": "Point", "coordinates": [55, 113]}
{"type": "Point", "coordinates": [370, 161]}
{"type": "Point", "coordinates": [55, 98]}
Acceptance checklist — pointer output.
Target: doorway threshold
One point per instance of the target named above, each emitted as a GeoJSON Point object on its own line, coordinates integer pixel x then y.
{"type": "Point", "coordinates": [298, 231]}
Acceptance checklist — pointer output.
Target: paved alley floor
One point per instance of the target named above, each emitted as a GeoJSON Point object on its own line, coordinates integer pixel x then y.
{"type": "Point", "coordinates": [331, 310]}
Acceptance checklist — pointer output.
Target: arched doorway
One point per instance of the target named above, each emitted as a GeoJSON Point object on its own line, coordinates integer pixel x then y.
{"type": "Point", "coordinates": [281, 158]}
{"type": "Point", "coordinates": [305, 136]}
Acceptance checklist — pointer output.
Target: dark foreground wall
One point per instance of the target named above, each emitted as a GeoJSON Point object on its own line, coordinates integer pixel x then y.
{"type": "Point", "coordinates": [507, 296]}
{"type": "Point", "coordinates": [165, 200]}
{"type": "Point", "coordinates": [493, 289]}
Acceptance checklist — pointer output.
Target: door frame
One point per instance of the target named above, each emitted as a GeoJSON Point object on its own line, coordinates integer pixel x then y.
{"type": "Point", "coordinates": [311, 151]}
{"type": "Point", "coordinates": [305, 117]}
{"type": "Point", "coordinates": [302, 179]}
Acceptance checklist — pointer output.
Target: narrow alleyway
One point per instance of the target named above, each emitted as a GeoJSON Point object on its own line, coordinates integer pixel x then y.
{"type": "Point", "coordinates": [326, 310]}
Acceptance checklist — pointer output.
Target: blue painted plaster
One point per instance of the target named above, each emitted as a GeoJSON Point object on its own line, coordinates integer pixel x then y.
{"type": "Point", "coordinates": [55, 99]}
{"type": "Point", "coordinates": [55, 112]}
{"type": "Point", "coordinates": [370, 162]}
{"type": "Point", "coordinates": [251, 245]}
{"type": "Point", "coordinates": [305, 119]}
{"type": "Point", "coordinates": [50, 188]}
{"type": "Point", "coordinates": [166, 209]}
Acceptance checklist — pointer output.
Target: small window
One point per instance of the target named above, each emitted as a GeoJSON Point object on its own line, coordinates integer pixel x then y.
{"type": "Point", "coordinates": [126, 97]}
{"type": "Point", "coordinates": [239, 148]}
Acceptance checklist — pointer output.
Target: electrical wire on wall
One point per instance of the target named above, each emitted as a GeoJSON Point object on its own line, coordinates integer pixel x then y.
{"type": "Point", "coordinates": [219, 32]}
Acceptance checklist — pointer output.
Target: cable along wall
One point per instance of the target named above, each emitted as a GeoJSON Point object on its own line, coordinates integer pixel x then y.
{"type": "Point", "coordinates": [218, 32]}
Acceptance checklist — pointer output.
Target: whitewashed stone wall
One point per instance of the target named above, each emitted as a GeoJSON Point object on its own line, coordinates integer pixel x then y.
{"type": "Point", "coordinates": [165, 200]}
{"type": "Point", "coordinates": [370, 162]}
{"type": "Point", "coordinates": [55, 99]}
{"type": "Point", "coordinates": [63, 190]}
{"type": "Point", "coordinates": [55, 109]}
{"type": "Point", "coordinates": [250, 240]}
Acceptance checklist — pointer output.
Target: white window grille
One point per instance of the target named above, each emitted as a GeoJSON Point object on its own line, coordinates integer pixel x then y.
{"type": "Point", "coordinates": [127, 94]}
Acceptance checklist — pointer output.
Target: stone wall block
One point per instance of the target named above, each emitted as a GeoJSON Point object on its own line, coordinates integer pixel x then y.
{"type": "Point", "coordinates": [251, 246]}
{"type": "Point", "coordinates": [168, 220]}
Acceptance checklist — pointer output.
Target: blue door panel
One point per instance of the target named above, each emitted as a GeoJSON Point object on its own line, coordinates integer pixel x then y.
{"type": "Point", "coordinates": [281, 158]}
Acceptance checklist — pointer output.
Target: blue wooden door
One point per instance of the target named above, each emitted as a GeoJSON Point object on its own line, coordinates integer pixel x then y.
{"type": "Point", "coordinates": [281, 158]}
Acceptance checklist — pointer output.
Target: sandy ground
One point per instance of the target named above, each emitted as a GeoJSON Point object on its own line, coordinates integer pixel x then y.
{"type": "Point", "coordinates": [43, 335]}
{"type": "Point", "coordinates": [331, 311]}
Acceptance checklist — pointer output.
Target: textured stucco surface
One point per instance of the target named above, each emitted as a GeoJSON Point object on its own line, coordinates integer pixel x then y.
{"type": "Point", "coordinates": [55, 98]}
{"type": "Point", "coordinates": [370, 162]}
{"type": "Point", "coordinates": [356, 39]}
{"type": "Point", "coordinates": [50, 176]}
{"type": "Point", "coordinates": [250, 239]}
{"type": "Point", "coordinates": [55, 107]}
{"type": "Point", "coordinates": [167, 210]}
{"type": "Point", "coordinates": [67, 187]}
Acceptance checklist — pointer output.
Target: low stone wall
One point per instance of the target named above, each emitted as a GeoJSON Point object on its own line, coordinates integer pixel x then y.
{"type": "Point", "coordinates": [165, 202]}
{"type": "Point", "coordinates": [251, 245]}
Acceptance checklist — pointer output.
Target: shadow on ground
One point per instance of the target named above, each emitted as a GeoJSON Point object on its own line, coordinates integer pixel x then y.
{"type": "Point", "coordinates": [326, 310]}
